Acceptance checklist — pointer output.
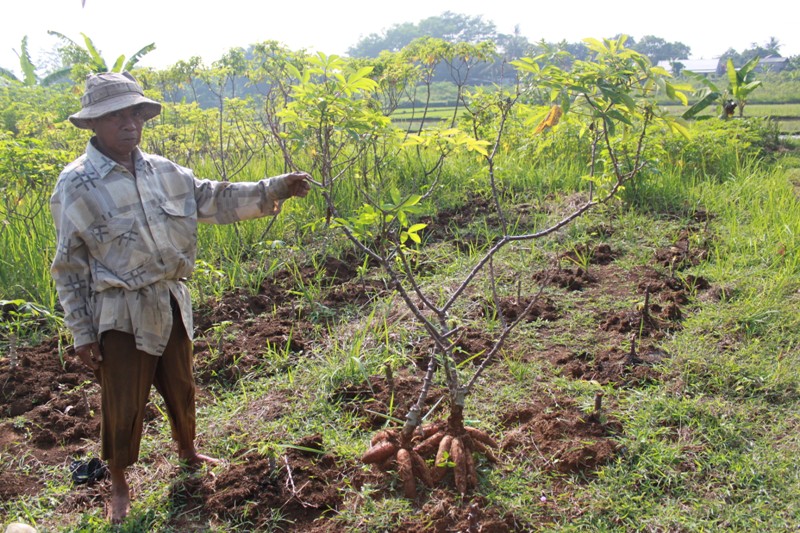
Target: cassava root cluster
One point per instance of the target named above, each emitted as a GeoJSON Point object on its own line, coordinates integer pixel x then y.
{"type": "Point", "coordinates": [446, 446]}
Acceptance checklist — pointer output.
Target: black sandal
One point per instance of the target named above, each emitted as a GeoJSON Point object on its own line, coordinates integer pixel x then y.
{"type": "Point", "coordinates": [88, 471]}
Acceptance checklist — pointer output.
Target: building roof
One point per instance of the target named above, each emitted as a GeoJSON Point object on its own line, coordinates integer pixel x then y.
{"type": "Point", "coordinates": [774, 59]}
{"type": "Point", "coordinates": [699, 66]}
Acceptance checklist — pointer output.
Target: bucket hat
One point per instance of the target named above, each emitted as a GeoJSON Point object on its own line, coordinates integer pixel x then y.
{"type": "Point", "coordinates": [108, 92]}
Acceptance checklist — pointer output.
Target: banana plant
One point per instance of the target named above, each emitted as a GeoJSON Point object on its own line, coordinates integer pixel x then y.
{"type": "Point", "coordinates": [87, 59]}
{"type": "Point", "coordinates": [741, 83]}
{"type": "Point", "coordinates": [28, 69]}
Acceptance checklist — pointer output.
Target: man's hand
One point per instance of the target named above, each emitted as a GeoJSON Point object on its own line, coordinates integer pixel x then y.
{"type": "Point", "coordinates": [298, 183]}
{"type": "Point", "coordinates": [90, 355]}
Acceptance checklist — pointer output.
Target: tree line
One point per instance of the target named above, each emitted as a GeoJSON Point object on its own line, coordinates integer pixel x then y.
{"type": "Point", "coordinates": [76, 59]}
{"type": "Point", "coordinates": [453, 27]}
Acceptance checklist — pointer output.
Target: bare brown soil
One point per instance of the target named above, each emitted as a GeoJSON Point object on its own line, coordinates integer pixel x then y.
{"type": "Point", "coordinates": [49, 407]}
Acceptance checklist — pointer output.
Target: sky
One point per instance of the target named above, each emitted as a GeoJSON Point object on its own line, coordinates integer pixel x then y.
{"type": "Point", "coordinates": [181, 29]}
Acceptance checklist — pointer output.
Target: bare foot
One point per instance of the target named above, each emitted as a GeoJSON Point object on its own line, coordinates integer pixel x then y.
{"type": "Point", "coordinates": [120, 504]}
{"type": "Point", "coordinates": [192, 460]}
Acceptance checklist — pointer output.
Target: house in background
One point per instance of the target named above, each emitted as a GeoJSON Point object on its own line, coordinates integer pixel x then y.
{"type": "Point", "coordinates": [705, 67]}
{"type": "Point", "coordinates": [772, 64]}
{"type": "Point", "coordinates": [716, 66]}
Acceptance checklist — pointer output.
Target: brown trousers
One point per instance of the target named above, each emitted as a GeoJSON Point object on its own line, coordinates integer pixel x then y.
{"type": "Point", "coordinates": [126, 376]}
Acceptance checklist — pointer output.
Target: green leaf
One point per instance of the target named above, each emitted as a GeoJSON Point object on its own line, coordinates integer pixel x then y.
{"type": "Point", "coordinates": [526, 64]}
{"type": "Point", "coordinates": [609, 125]}
{"type": "Point", "coordinates": [617, 97]}
{"type": "Point", "coordinates": [409, 235]}
{"type": "Point", "coordinates": [673, 93]}
{"type": "Point", "coordinates": [679, 126]}
{"type": "Point", "coordinates": [411, 201]}
{"type": "Point", "coordinates": [414, 140]}
{"type": "Point", "coordinates": [660, 71]}
{"type": "Point", "coordinates": [733, 76]}
{"type": "Point", "coordinates": [97, 60]}
{"type": "Point", "coordinates": [118, 64]}
{"type": "Point", "coordinates": [358, 75]}
{"type": "Point", "coordinates": [28, 70]}
{"type": "Point", "coordinates": [616, 114]}
{"type": "Point", "coordinates": [566, 102]}
{"type": "Point", "coordinates": [750, 86]}
{"type": "Point", "coordinates": [595, 45]}
{"type": "Point", "coordinates": [293, 71]}
{"type": "Point", "coordinates": [702, 80]}
{"type": "Point", "coordinates": [8, 75]}
{"type": "Point", "coordinates": [138, 55]}
{"type": "Point", "coordinates": [748, 67]}
{"type": "Point", "coordinates": [693, 111]}
{"type": "Point", "coordinates": [476, 145]}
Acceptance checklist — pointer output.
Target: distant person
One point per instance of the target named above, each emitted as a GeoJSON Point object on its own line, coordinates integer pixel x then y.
{"type": "Point", "coordinates": [728, 107]}
{"type": "Point", "coordinates": [126, 225]}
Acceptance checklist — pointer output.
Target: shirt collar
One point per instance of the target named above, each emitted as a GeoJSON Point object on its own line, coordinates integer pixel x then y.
{"type": "Point", "coordinates": [104, 165]}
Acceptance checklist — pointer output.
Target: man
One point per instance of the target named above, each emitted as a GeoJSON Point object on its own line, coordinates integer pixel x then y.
{"type": "Point", "coordinates": [126, 225]}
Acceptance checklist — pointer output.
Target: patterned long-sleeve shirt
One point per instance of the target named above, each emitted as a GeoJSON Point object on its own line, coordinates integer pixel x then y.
{"type": "Point", "coordinates": [124, 242]}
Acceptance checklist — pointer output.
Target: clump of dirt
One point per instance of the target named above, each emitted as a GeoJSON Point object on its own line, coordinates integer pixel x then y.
{"type": "Point", "coordinates": [279, 295]}
{"type": "Point", "coordinates": [611, 366]}
{"type": "Point", "coordinates": [49, 408]}
{"type": "Point", "coordinates": [46, 403]}
{"type": "Point", "coordinates": [645, 324]}
{"type": "Point", "coordinates": [36, 375]}
{"type": "Point", "coordinates": [381, 397]}
{"type": "Point", "coordinates": [239, 328]}
{"type": "Point", "coordinates": [578, 276]}
{"type": "Point", "coordinates": [512, 308]}
{"type": "Point", "coordinates": [624, 351]}
{"type": "Point", "coordinates": [442, 513]}
{"type": "Point", "coordinates": [440, 227]}
{"type": "Point", "coordinates": [16, 485]}
{"type": "Point", "coordinates": [302, 483]}
{"type": "Point", "coordinates": [680, 255]}
{"type": "Point", "coordinates": [355, 292]}
{"type": "Point", "coordinates": [601, 254]}
{"type": "Point", "coordinates": [571, 279]}
{"type": "Point", "coordinates": [86, 497]}
{"type": "Point", "coordinates": [468, 344]}
{"type": "Point", "coordinates": [333, 270]}
{"type": "Point", "coordinates": [673, 288]}
{"type": "Point", "coordinates": [239, 305]}
{"type": "Point", "coordinates": [542, 309]}
{"type": "Point", "coordinates": [227, 351]}
{"type": "Point", "coordinates": [558, 436]}
{"type": "Point", "coordinates": [660, 310]}
{"type": "Point", "coordinates": [48, 411]}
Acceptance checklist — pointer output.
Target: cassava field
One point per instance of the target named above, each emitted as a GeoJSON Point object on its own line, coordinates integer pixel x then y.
{"type": "Point", "coordinates": [599, 304]}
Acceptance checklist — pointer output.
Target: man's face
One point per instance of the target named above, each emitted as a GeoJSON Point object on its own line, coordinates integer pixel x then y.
{"type": "Point", "coordinates": [119, 132]}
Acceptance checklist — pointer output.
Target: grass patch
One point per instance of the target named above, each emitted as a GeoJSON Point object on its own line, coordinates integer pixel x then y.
{"type": "Point", "coordinates": [675, 310]}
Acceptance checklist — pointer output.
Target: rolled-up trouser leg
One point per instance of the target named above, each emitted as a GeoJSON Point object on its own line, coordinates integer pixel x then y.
{"type": "Point", "coordinates": [174, 380]}
{"type": "Point", "coordinates": [126, 375]}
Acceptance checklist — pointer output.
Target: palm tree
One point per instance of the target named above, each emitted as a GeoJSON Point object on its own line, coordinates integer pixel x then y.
{"type": "Point", "coordinates": [773, 47]}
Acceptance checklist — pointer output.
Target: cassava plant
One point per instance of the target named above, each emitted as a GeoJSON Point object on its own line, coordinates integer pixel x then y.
{"type": "Point", "coordinates": [613, 95]}
{"type": "Point", "coordinates": [232, 141]}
